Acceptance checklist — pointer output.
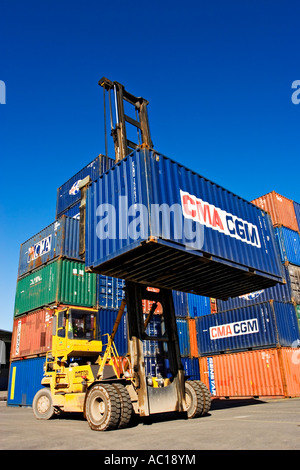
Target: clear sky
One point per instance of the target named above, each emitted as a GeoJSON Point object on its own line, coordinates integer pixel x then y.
{"type": "Point", "coordinates": [218, 76]}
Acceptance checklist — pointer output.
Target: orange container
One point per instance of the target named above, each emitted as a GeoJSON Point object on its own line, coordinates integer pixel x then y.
{"type": "Point", "coordinates": [290, 367]}
{"type": "Point", "coordinates": [258, 373]}
{"type": "Point", "coordinates": [32, 334]}
{"type": "Point", "coordinates": [193, 337]}
{"type": "Point", "coordinates": [213, 305]}
{"type": "Point", "coordinates": [280, 208]}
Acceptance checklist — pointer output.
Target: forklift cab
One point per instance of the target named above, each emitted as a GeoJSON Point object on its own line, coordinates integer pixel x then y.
{"type": "Point", "coordinates": [74, 333]}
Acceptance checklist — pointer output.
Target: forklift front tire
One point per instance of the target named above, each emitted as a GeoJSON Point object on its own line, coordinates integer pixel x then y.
{"type": "Point", "coordinates": [42, 404]}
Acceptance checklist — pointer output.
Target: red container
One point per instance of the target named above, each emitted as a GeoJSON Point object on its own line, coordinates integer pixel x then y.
{"type": "Point", "coordinates": [280, 208]}
{"type": "Point", "coordinates": [259, 373]}
{"type": "Point", "coordinates": [32, 334]}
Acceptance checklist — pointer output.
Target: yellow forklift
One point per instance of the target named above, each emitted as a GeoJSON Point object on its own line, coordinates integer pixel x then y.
{"type": "Point", "coordinates": [79, 376]}
{"type": "Point", "coordinates": [82, 376]}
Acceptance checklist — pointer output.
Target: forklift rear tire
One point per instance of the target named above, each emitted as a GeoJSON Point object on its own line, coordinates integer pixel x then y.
{"type": "Point", "coordinates": [194, 399]}
{"type": "Point", "coordinates": [42, 404]}
{"type": "Point", "coordinates": [102, 407]}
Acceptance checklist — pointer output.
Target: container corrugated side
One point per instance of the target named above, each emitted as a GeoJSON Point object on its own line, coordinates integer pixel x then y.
{"type": "Point", "coordinates": [153, 347]}
{"type": "Point", "coordinates": [25, 378]}
{"type": "Point", "coordinates": [183, 336]}
{"type": "Point", "coordinates": [106, 318]}
{"type": "Point", "coordinates": [290, 368]}
{"type": "Point", "coordinates": [211, 257]}
{"type": "Point", "coordinates": [198, 305]}
{"type": "Point", "coordinates": [297, 213]}
{"type": "Point", "coordinates": [59, 239]}
{"type": "Point", "coordinates": [243, 374]}
{"type": "Point", "coordinates": [280, 292]}
{"type": "Point", "coordinates": [59, 282]}
{"type": "Point", "coordinates": [268, 324]}
{"type": "Point", "coordinates": [68, 194]}
{"type": "Point", "coordinates": [32, 334]}
{"type": "Point", "coordinates": [193, 337]}
{"type": "Point", "coordinates": [280, 208]}
{"type": "Point", "coordinates": [109, 291]}
{"type": "Point", "coordinates": [191, 368]}
{"type": "Point", "coordinates": [180, 303]}
{"type": "Point", "coordinates": [73, 211]}
{"type": "Point", "coordinates": [294, 281]}
{"type": "Point", "coordinates": [288, 242]}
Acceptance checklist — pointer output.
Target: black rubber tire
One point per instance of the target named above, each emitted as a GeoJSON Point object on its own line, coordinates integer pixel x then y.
{"type": "Point", "coordinates": [42, 404]}
{"type": "Point", "coordinates": [194, 399]}
{"type": "Point", "coordinates": [206, 396]}
{"type": "Point", "coordinates": [102, 407]}
{"type": "Point", "coordinates": [126, 405]}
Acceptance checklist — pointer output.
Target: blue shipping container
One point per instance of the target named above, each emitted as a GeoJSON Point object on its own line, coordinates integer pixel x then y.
{"type": "Point", "coordinates": [109, 291]}
{"type": "Point", "coordinates": [191, 368]}
{"type": "Point", "coordinates": [59, 239]}
{"type": "Point", "coordinates": [154, 366]}
{"type": "Point", "coordinates": [151, 347]}
{"type": "Point", "coordinates": [289, 245]}
{"type": "Point", "coordinates": [264, 325]}
{"type": "Point", "coordinates": [68, 194]}
{"type": "Point", "coordinates": [280, 292]}
{"type": "Point", "coordinates": [25, 378]}
{"type": "Point", "coordinates": [198, 305]}
{"type": "Point", "coordinates": [183, 336]}
{"type": "Point", "coordinates": [170, 227]}
{"type": "Point", "coordinates": [297, 212]}
{"type": "Point", "coordinates": [180, 303]}
{"type": "Point", "coordinates": [73, 211]}
{"type": "Point", "coordinates": [106, 318]}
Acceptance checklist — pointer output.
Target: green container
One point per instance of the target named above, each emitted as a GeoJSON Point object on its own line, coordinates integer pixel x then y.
{"type": "Point", "coordinates": [61, 282]}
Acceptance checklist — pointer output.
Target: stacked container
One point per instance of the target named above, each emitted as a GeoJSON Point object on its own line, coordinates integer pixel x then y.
{"type": "Point", "coordinates": [251, 347]}
{"type": "Point", "coordinates": [51, 273]}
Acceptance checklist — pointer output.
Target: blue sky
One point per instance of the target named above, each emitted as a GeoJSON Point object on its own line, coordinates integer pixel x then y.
{"type": "Point", "coordinates": [218, 76]}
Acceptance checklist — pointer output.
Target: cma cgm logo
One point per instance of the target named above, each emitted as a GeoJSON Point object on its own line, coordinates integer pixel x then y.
{"type": "Point", "coordinates": [39, 249]}
{"type": "Point", "coordinates": [75, 188]}
{"type": "Point", "coordinates": [234, 329]}
{"type": "Point", "coordinates": [218, 219]}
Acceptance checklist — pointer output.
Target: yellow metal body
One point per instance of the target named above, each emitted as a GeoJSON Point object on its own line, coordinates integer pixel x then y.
{"type": "Point", "coordinates": [74, 336]}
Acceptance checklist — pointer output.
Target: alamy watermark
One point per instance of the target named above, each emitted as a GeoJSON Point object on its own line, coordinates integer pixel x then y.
{"type": "Point", "coordinates": [2, 92]}
{"type": "Point", "coordinates": [295, 95]}
{"type": "Point", "coordinates": [138, 222]}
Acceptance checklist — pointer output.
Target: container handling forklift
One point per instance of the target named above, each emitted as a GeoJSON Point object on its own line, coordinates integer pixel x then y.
{"type": "Point", "coordinates": [80, 375]}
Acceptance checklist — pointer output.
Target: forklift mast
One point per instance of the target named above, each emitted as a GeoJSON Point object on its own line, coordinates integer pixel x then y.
{"type": "Point", "coordinates": [119, 123]}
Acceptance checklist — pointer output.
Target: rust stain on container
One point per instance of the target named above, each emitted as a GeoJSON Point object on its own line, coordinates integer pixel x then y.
{"type": "Point", "coordinates": [280, 208]}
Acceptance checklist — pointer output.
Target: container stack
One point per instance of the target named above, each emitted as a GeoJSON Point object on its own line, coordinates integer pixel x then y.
{"type": "Point", "coordinates": [188, 307]}
{"type": "Point", "coordinates": [251, 346]}
{"type": "Point", "coordinates": [51, 274]}
{"type": "Point", "coordinates": [243, 347]}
